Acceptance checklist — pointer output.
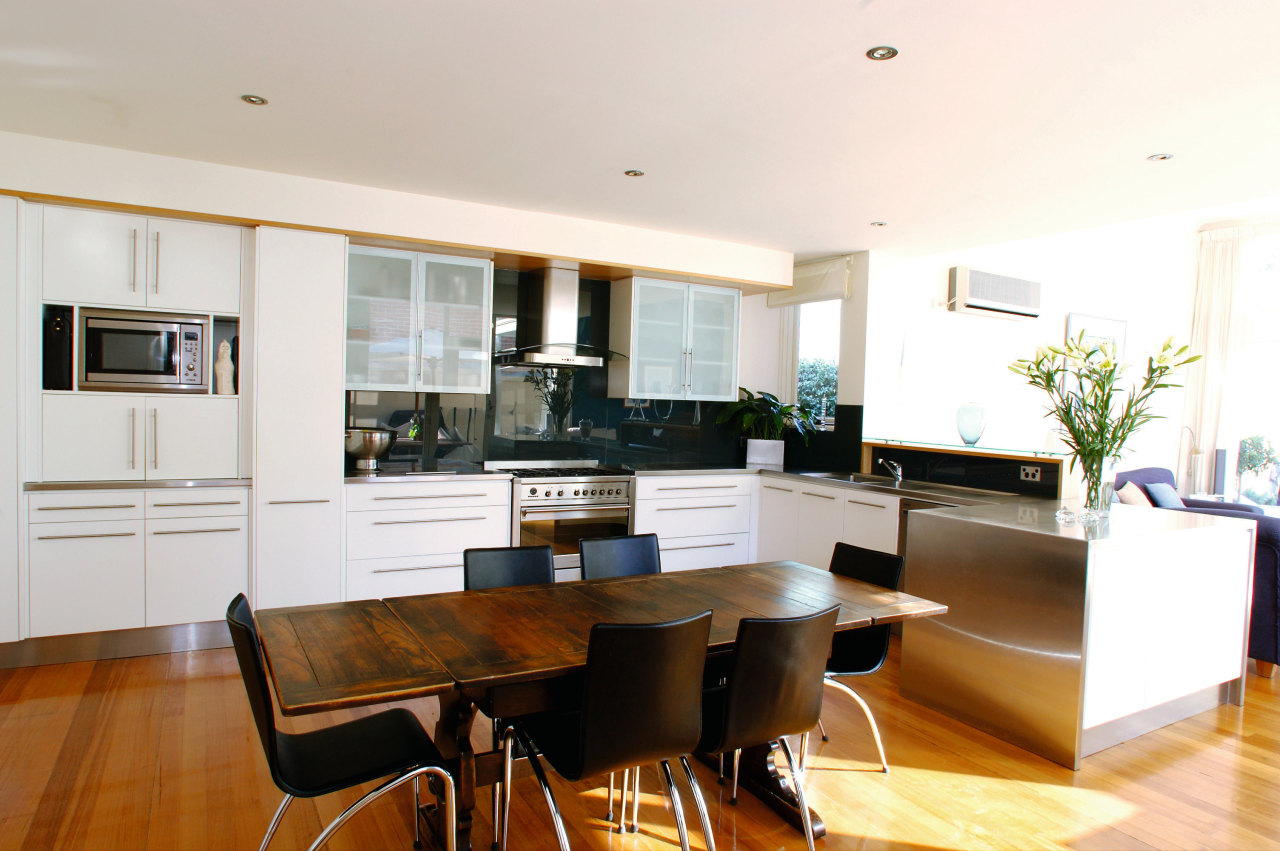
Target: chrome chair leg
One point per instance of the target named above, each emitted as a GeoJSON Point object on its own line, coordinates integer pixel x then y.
{"type": "Point", "coordinates": [804, 748]}
{"type": "Point", "coordinates": [720, 774]}
{"type": "Point", "coordinates": [508, 756]}
{"type": "Point", "coordinates": [799, 787]}
{"type": "Point", "coordinates": [275, 822]}
{"type": "Point", "coordinates": [700, 802]}
{"type": "Point", "coordinates": [733, 797]}
{"type": "Point", "coordinates": [821, 729]}
{"type": "Point", "coordinates": [451, 812]}
{"type": "Point", "coordinates": [622, 793]}
{"type": "Point", "coordinates": [866, 710]}
{"type": "Point", "coordinates": [674, 795]}
{"type": "Point", "coordinates": [417, 819]}
{"type": "Point", "coordinates": [536, 763]}
{"type": "Point", "coordinates": [609, 815]}
{"type": "Point", "coordinates": [497, 788]}
{"type": "Point", "coordinates": [635, 800]}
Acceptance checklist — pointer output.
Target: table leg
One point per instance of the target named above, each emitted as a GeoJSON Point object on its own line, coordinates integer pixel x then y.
{"type": "Point", "coordinates": [453, 737]}
{"type": "Point", "coordinates": [759, 775]}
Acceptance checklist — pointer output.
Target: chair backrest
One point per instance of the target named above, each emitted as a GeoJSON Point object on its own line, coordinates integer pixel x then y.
{"type": "Point", "coordinates": [621, 555]}
{"type": "Point", "coordinates": [775, 678]}
{"type": "Point", "coordinates": [1144, 476]}
{"type": "Point", "coordinates": [244, 636]}
{"type": "Point", "coordinates": [642, 692]}
{"type": "Point", "coordinates": [501, 567]}
{"type": "Point", "coordinates": [863, 651]}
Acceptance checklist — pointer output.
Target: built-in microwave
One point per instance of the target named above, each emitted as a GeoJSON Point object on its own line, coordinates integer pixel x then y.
{"type": "Point", "coordinates": [135, 351]}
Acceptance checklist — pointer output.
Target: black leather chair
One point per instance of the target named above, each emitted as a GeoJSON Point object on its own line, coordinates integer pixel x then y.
{"type": "Point", "coordinates": [773, 690]}
{"type": "Point", "coordinates": [502, 567]}
{"type": "Point", "coordinates": [307, 765]}
{"type": "Point", "coordinates": [858, 652]}
{"type": "Point", "coordinates": [641, 703]}
{"type": "Point", "coordinates": [621, 555]}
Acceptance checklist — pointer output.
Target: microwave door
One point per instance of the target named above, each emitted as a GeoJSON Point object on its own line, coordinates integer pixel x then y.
{"type": "Point", "coordinates": [128, 354]}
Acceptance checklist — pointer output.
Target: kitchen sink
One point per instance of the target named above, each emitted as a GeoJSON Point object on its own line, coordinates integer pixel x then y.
{"type": "Point", "coordinates": [888, 483]}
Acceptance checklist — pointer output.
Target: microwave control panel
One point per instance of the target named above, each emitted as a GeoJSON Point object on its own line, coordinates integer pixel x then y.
{"type": "Point", "coordinates": [189, 371]}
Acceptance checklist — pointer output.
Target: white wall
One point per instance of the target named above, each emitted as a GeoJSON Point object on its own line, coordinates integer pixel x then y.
{"type": "Point", "coordinates": [760, 346]}
{"type": "Point", "coordinates": [924, 361]}
{"type": "Point", "coordinates": [33, 165]}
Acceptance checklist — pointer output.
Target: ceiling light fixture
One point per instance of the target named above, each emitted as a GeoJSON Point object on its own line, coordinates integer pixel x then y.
{"type": "Point", "coordinates": [878, 224]}
{"type": "Point", "coordinates": [254, 100]}
{"type": "Point", "coordinates": [634, 172]}
{"type": "Point", "coordinates": [881, 53]}
{"type": "Point", "coordinates": [1159, 158]}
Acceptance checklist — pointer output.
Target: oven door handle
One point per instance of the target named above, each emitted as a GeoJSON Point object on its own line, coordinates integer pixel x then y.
{"type": "Point", "coordinates": [567, 508]}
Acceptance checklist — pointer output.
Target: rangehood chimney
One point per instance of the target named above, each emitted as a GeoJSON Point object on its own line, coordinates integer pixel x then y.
{"type": "Point", "coordinates": [550, 313]}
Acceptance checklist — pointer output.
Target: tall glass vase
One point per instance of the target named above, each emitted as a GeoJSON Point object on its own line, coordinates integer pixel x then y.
{"type": "Point", "coordinates": [1099, 485]}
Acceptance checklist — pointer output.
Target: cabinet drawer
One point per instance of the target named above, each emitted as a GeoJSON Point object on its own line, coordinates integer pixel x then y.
{"type": "Point", "coordinates": [705, 551]}
{"type": "Point", "coordinates": [871, 521]}
{"type": "Point", "coordinates": [403, 495]}
{"type": "Point", "coordinates": [197, 502]}
{"type": "Point", "coordinates": [86, 577]}
{"type": "Point", "coordinates": [195, 565]}
{"type": "Point", "coordinates": [681, 518]}
{"type": "Point", "coordinates": [79, 506]}
{"type": "Point", "coordinates": [378, 578]}
{"type": "Point", "coordinates": [426, 531]}
{"type": "Point", "coordinates": [675, 487]}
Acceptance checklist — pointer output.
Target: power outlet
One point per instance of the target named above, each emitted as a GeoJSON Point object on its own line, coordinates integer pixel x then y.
{"type": "Point", "coordinates": [1030, 474]}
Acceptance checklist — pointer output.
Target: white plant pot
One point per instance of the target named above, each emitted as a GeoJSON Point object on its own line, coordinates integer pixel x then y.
{"type": "Point", "coordinates": [764, 453]}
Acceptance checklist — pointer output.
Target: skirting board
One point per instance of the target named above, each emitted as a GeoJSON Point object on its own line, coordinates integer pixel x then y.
{"type": "Point", "coordinates": [1103, 736]}
{"type": "Point", "coordinates": [117, 644]}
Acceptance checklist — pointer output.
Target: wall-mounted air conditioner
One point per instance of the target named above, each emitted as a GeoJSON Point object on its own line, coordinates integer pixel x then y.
{"type": "Point", "coordinates": [971, 291]}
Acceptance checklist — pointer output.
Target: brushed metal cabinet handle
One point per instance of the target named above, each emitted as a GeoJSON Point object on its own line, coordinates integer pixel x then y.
{"type": "Point", "coordinates": [71, 537]}
{"type": "Point", "coordinates": [133, 263]}
{"type": "Point", "coordinates": [188, 504]}
{"type": "Point", "coordinates": [157, 262]}
{"type": "Point", "coordinates": [695, 487]}
{"type": "Point", "coordinates": [697, 546]}
{"type": "Point", "coordinates": [155, 439]}
{"type": "Point", "coordinates": [866, 504]}
{"type": "Point", "coordinates": [695, 507]}
{"type": "Point", "coordinates": [295, 501]}
{"type": "Point", "coordinates": [432, 496]}
{"type": "Point", "coordinates": [776, 488]}
{"type": "Point", "coordinates": [428, 520]}
{"type": "Point", "coordinates": [133, 437]}
{"type": "Point", "coordinates": [404, 569]}
{"type": "Point", "coordinates": [819, 495]}
{"type": "Point", "coordinates": [193, 531]}
{"type": "Point", "coordinates": [81, 507]}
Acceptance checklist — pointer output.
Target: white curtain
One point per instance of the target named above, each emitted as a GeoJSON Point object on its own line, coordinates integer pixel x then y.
{"type": "Point", "coordinates": [1217, 274]}
{"type": "Point", "coordinates": [819, 281]}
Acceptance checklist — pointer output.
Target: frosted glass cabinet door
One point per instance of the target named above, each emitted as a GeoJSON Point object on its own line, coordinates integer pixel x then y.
{"type": "Point", "coordinates": [455, 324]}
{"type": "Point", "coordinates": [381, 332]}
{"type": "Point", "coordinates": [713, 343]}
{"type": "Point", "coordinates": [658, 360]}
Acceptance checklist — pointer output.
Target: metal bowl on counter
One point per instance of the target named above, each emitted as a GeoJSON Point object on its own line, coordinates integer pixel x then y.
{"type": "Point", "coordinates": [368, 445]}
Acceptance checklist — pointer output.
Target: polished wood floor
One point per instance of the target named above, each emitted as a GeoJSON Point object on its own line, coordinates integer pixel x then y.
{"type": "Point", "coordinates": [160, 752]}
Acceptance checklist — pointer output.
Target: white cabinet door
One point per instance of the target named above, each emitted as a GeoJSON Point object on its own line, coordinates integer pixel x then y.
{"type": "Point", "coordinates": [455, 324]}
{"type": "Point", "coordinates": [94, 256]}
{"type": "Point", "coordinates": [658, 340]}
{"type": "Point", "coordinates": [698, 552]}
{"type": "Point", "coordinates": [298, 406]}
{"type": "Point", "coordinates": [92, 438]}
{"type": "Point", "coordinates": [382, 335]}
{"type": "Point", "coordinates": [871, 521]}
{"type": "Point", "coordinates": [86, 577]}
{"type": "Point", "coordinates": [192, 437]}
{"type": "Point", "coordinates": [776, 529]}
{"type": "Point", "coordinates": [194, 266]}
{"type": "Point", "coordinates": [195, 565]}
{"type": "Point", "coordinates": [713, 343]}
{"type": "Point", "coordinates": [819, 523]}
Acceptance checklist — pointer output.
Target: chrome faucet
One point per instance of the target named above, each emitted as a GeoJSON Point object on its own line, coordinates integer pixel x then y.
{"type": "Point", "coordinates": [894, 468]}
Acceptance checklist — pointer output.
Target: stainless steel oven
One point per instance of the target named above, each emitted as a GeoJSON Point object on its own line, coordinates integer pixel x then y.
{"type": "Point", "coordinates": [136, 351]}
{"type": "Point", "coordinates": [556, 505]}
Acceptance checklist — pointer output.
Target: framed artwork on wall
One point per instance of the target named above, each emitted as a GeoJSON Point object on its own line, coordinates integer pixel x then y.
{"type": "Point", "coordinates": [1097, 331]}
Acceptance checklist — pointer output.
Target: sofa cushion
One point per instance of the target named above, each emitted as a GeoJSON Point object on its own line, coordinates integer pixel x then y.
{"type": "Point", "coordinates": [1163, 495]}
{"type": "Point", "coordinates": [1132, 494]}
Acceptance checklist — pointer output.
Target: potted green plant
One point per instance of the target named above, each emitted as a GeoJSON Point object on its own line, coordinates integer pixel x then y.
{"type": "Point", "coordinates": [763, 420]}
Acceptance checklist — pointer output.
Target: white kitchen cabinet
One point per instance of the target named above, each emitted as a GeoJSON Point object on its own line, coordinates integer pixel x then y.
{"type": "Point", "coordinates": [681, 340]}
{"type": "Point", "coordinates": [776, 529]}
{"type": "Point", "coordinates": [418, 322]}
{"type": "Point", "coordinates": [871, 520]}
{"type": "Point", "coordinates": [408, 537]}
{"type": "Point", "coordinates": [819, 522]}
{"type": "Point", "coordinates": [100, 257]}
{"type": "Point", "coordinates": [195, 565]}
{"type": "Point", "coordinates": [86, 576]}
{"type": "Point", "coordinates": [700, 521]}
{"type": "Point", "coordinates": [123, 437]}
{"type": "Point", "coordinates": [297, 380]}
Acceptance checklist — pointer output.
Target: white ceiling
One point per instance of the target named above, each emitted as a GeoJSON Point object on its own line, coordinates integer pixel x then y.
{"type": "Point", "coordinates": [756, 121]}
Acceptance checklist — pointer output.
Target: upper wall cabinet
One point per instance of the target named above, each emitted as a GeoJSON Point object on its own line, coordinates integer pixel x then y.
{"type": "Point", "coordinates": [97, 257]}
{"type": "Point", "coordinates": [418, 322]}
{"type": "Point", "coordinates": [681, 340]}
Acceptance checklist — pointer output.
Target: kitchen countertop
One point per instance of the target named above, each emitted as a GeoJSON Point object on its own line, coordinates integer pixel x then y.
{"type": "Point", "coordinates": [439, 476]}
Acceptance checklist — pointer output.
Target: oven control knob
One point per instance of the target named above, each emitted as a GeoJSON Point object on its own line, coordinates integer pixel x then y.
{"type": "Point", "coordinates": [594, 491]}
{"type": "Point", "coordinates": [577, 492]}
{"type": "Point", "coordinates": [533, 491]}
{"type": "Point", "coordinates": [612, 492]}
{"type": "Point", "coordinates": [559, 493]}
{"type": "Point", "coordinates": [191, 367]}
{"type": "Point", "coordinates": [548, 493]}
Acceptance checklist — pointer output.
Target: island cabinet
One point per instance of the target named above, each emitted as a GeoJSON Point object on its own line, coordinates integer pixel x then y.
{"type": "Point", "coordinates": [298, 398]}
{"type": "Point", "coordinates": [700, 521]}
{"type": "Point", "coordinates": [407, 538]}
{"type": "Point", "coordinates": [126, 260]}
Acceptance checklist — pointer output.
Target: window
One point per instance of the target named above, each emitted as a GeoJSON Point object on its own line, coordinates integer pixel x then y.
{"type": "Point", "coordinates": [818, 357]}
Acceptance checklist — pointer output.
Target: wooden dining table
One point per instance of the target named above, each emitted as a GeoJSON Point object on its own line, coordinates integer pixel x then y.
{"type": "Point", "coordinates": [512, 651]}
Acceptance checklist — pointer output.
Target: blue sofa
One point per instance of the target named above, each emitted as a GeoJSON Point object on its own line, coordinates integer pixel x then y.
{"type": "Point", "coordinates": [1264, 620]}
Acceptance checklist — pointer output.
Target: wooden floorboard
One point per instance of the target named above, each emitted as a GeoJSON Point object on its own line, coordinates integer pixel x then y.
{"type": "Point", "coordinates": [160, 752]}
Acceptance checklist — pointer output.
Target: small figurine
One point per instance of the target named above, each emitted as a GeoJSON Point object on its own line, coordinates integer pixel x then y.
{"type": "Point", "coordinates": [223, 370]}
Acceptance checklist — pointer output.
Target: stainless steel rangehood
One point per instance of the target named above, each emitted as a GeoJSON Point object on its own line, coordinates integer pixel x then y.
{"type": "Point", "coordinates": [547, 333]}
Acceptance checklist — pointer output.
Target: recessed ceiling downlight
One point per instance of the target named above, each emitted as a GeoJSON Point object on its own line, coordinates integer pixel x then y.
{"type": "Point", "coordinates": [879, 224]}
{"type": "Point", "coordinates": [881, 53]}
{"type": "Point", "coordinates": [1159, 158]}
{"type": "Point", "coordinates": [254, 100]}
{"type": "Point", "coordinates": [634, 172]}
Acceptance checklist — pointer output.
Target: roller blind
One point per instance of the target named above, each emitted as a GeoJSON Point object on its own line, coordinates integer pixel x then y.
{"type": "Point", "coordinates": [820, 281]}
